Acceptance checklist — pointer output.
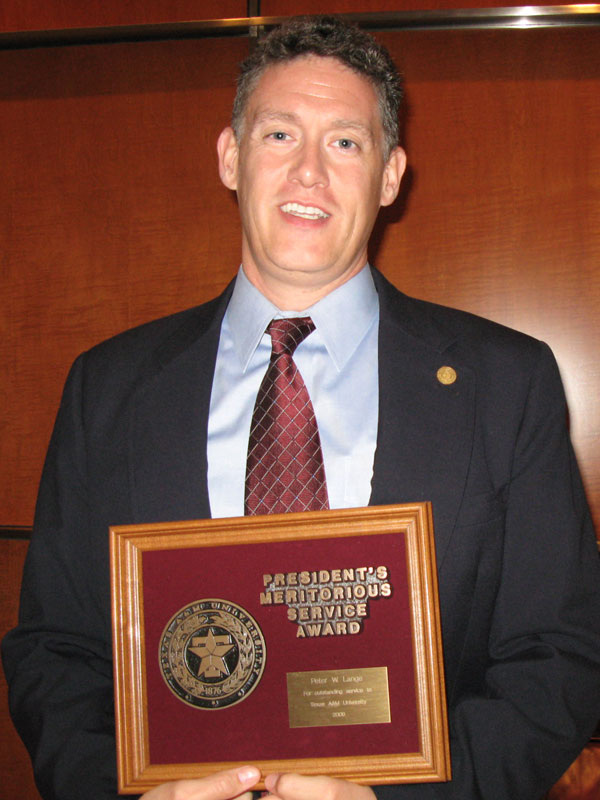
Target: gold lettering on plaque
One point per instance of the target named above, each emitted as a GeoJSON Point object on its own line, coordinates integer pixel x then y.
{"type": "Point", "coordinates": [338, 697]}
{"type": "Point", "coordinates": [327, 602]}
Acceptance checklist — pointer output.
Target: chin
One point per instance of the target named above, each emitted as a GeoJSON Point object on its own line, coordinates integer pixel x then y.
{"type": "Point", "coordinates": [304, 261]}
{"type": "Point", "coordinates": [304, 269]}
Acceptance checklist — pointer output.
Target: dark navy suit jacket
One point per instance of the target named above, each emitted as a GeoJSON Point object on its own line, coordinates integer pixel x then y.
{"type": "Point", "coordinates": [518, 571]}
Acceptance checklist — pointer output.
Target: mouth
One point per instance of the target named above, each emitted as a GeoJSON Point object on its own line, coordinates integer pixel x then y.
{"type": "Point", "coordinates": [304, 212]}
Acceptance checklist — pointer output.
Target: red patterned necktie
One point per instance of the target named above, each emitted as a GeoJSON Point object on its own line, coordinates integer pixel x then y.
{"type": "Point", "coordinates": [285, 469]}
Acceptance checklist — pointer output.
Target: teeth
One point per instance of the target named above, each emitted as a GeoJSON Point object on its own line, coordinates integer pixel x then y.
{"type": "Point", "coordinates": [306, 212]}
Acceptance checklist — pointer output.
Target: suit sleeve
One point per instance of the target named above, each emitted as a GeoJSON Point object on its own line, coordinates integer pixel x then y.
{"type": "Point", "coordinates": [58, 659]}
{"type": "Point", "coordinates": [539, 695]}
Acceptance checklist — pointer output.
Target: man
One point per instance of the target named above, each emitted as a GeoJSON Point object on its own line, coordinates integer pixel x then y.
{"type": "Point", "coordinates": [413, 402]}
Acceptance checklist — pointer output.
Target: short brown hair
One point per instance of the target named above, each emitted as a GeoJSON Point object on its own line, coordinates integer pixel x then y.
{"type": "Point", "coordinates": [325, 36]}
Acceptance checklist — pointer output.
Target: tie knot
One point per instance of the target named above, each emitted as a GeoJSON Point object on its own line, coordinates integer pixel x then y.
{"type": "Point", "coordinates": [286, 334]}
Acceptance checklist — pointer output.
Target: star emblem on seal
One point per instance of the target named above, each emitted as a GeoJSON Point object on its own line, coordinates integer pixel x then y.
{"type": "Point", "coordinates": [211, 650]}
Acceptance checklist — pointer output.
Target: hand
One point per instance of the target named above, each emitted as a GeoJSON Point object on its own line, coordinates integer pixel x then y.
{"type": "Point", "coordinates": [303, 787]}
{"type": "Point", "coordinates": [233, 783]}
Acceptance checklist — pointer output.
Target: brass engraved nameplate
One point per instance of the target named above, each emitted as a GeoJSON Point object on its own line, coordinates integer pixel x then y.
{"type": "Point", "coordinates": [338, 697]}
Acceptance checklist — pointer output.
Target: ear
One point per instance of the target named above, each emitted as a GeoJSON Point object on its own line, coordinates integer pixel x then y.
{"type": "Point", "coordinates": [228, 151]}
{"type": "Point", "coordinates": [392, 175]}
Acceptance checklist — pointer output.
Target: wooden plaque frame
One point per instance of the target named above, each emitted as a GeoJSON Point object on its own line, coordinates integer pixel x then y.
{"type": "Point", "coordinates": [431, 759]}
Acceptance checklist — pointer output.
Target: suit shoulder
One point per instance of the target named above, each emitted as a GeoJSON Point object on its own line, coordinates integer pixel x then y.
{"type": "Point", "coordinates": [442, 327]}
{"type": "Point", "coordinates": [474, 340]}
{"type": "Point", "coordinates": [474, 329]}
{"type": "Point", "coordinates": [158, 338]}
{"type": "Point", "coordinates": [509, 365]}
{"type": "Point", "coordinates": [106, 375]}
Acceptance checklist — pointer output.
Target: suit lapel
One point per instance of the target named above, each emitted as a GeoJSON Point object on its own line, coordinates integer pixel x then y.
{"type": "Point", "coordinates": [169, 421]}
{"type": "Point", "coordinates": [426, 427]}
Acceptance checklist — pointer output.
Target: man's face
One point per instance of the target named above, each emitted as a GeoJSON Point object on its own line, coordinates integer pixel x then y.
{"type": "Point", "coordinates": [310, 176]}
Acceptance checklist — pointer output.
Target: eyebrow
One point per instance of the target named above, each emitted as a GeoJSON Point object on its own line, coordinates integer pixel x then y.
{"type": "Point", "coordinates": [276, 116]}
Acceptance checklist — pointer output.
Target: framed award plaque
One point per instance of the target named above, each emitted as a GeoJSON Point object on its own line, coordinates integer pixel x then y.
{"type": "Point", "coordinates": [295, 642]}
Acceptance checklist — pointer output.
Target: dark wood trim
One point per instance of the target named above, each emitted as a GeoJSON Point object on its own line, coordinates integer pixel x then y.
{"type": "Point", "coordinates": [253, 8]}
{"type": "Point", "coordinates": [518, 17]}
{"type": "Point", "coordinates": [15, 532]}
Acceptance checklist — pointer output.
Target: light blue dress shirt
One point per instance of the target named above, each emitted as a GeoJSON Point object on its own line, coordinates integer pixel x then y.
{"type": "Point", "coordinates": [338, 362]}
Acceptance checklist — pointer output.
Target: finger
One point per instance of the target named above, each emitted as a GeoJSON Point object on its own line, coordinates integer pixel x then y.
{"type": "Point", "coordinates": [305, 787]}
{"type": "Point", "coordinates": [233, 783]}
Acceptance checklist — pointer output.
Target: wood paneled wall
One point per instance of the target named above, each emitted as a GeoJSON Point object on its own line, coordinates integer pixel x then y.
{"type": "Point", "coordinates": [20, 15]}
{"type": "Point", "coordinates": [33, 15]}
{"type": "Point", "coordinates": [112, 213]}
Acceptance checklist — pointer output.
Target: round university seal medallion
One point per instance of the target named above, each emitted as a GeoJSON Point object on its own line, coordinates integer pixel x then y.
{"type": "Point", "coordinates": [212, 654]}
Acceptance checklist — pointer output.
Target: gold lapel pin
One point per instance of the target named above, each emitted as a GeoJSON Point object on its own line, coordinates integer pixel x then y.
{"type": "Point", "coordinates": [446, 375]}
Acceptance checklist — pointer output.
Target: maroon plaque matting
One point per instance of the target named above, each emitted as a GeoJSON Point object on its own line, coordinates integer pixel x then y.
{"type": "Point", "coordinates": [296, 642]}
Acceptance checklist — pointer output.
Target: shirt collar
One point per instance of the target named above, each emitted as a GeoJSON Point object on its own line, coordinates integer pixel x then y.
{"type": "Point", "coordinates": [342, 317]}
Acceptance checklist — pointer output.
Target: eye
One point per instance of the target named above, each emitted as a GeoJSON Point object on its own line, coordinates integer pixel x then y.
{"type": "Point", "coordinates": [278, 136]}
{"type": "Point", "coordinates": [346, 144]}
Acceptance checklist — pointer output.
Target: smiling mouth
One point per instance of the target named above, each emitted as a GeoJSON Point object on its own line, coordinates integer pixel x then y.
{"type": "Point", "coordinates": [305, 212]}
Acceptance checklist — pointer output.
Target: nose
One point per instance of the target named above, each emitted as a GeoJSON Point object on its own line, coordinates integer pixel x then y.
{"type": "Point", "coordinates": [309, 167]}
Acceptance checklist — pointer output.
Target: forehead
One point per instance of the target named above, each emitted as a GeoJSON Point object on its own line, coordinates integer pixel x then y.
{"type": "Point", "coordinates": [315, 83]}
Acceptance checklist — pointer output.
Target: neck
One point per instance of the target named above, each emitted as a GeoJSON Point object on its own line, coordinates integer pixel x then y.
{"type": "Point", "coordinates": [295, 293]}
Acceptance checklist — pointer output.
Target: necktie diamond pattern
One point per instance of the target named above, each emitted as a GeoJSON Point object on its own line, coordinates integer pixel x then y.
{"type": "Point", "coordinates": [285, 469]}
